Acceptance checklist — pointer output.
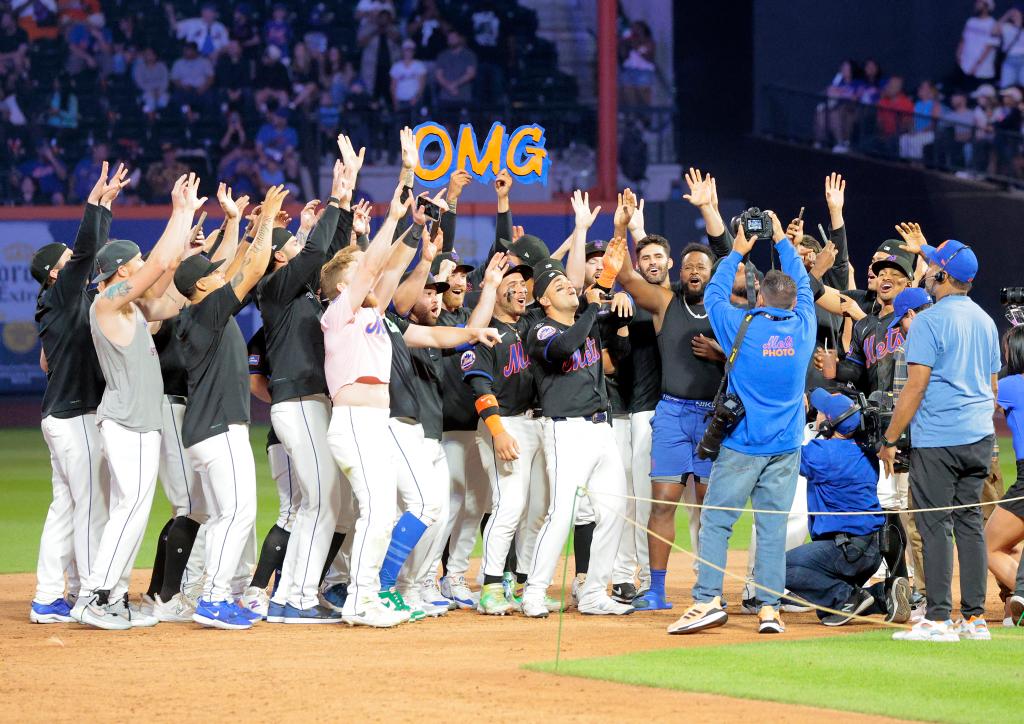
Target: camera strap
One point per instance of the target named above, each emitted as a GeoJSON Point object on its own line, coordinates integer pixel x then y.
{"type": "Point", "coordinates": [731, 359]}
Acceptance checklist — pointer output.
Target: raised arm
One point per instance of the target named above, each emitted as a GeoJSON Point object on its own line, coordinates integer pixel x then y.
{"type": "Point", "coordinates": [92, 232]}
{"type": "Point", "coordinates": [352, 163]}
{"type": "Point", "coordinates": [838, 275]}
{"type": "Point", "coordinates": [257, 256]}
{"type": "Point", "coordinates": [503, 228]}
{"type": "Point", "coordinates": [417, 335]}
{"type": "Point", "coordinates": [791, 264]}
{"type": "Point", "coordinates": [388, 287]}
{"type": "Point", "coordinates": [652, 297]}
{"type": "Point", "coordinates": [576, 264]}
{"type": "Point", "coordinates": [725, 319]}
{"type": "Point", "coordinates": [233, 210]}
{"type": "Point", "coordinates": [484, 309]}
{"type": "Point", "coordinates": [458, 181]}
{"type": "Point", "coordinates": [704, 195]}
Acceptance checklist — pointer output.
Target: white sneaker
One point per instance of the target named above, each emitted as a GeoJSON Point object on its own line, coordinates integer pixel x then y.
{"type": "Point", "coordinates": [973, 629]}
{"type": "Point", "coordinates": [414, 600]}
{"type": "Point", "coordinates": [939, 631]}
{"type": "Point", "coordinates": [918, 612]}
{"type": "Point", "coordinates": [133, 613]}
{"type": "Point", "coordinates": [91, 612]}
{"type": "Point", "coordinates": [147, 603]}
{"type": "Point", "coordinates": [455, 588]}
{"type": "Point", "coordinates": [603, 605]}
{"type": "Point", "coordinates": [256, 600]}
{"type": "Point", "coordinates": [194, 591]}
{"type": "Point", "coordinates": [370, 613]}
{"type": "Point", "coordinates": [177, 610]}
{"type": "Point", "coordinates": [577, 585]}
{"type": "Point", "coordinates": [1016, 610]}
{"type": "Point", "coordinates": [533, 608]}
{"type": "Point", "coordinates": [432, 596]}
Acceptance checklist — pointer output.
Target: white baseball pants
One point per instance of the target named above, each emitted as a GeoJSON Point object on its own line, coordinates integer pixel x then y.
{"type": "Point", "coordinates": [640, 441]}
{"type": "Point", "coordinates": [580, 453]}
{"type": "Point", "coordinates": [181, 483]}
{"type": "Point", "coordinates": [228, 471]}
{"type": "Point", "coordinates": [510, 487]}
{"type": "Point", "coordinates": [470, 497]}
{"type": "Point", "coordinates": [288, 494]}
{"type": "Point", "coordinates": [134, 458]}
{"type": "Point", "coordinates": [301, 425]}
{"type": "Point", "coordinates": [355, 438]}
{"type": "Point", "coordinates": [75, 519]}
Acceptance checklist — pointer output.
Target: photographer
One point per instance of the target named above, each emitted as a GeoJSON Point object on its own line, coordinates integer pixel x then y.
{"type": "Point", "coordinates": [844, 549]}
{"type": "Point", "coordinates": [952, 361]}
{"type": "Point", "coordinates": [771, 347]}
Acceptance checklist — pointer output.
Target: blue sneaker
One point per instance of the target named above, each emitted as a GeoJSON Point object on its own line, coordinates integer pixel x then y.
{"type": "Point", "coordinates": [59, 611]}
{"type": "Point", "coordinates": [220, 614]}
{"type": "Point", "coordinates": [651, 601]}
{"type": "Point", "coordinates": [275, 613]}
{"type": "Point", "coordinates": [314, 614]}
{"type": "Point", "coordinates": [246, 613]}
{"type": "Point", "coordinates": [336, 596]}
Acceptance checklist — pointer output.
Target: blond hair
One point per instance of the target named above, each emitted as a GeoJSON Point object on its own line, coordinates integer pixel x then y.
{"type": "Point", "coordinates": [333, 271]}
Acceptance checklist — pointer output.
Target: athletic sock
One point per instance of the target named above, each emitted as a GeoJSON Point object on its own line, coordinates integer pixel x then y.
{"type": "Point", "coordinates": [582, 538]}
{"type": "Point", "coordinates": [180, 538]}
{"type": "Point", "coordinates": [157, 580]}
{"type": "Point", "coordinates": [332, 553]}
{"type": "Point", "coordinates": [406, 534]}
{"type": "Point", "coordinates": [658, 581]}
{"type": "Point", "coordinates": [511, 561]}
{"type": "Point", "coordinates": [271, 556]}
{"type": "Point", "coordinates": [492, 579]}
{"type": "Point", "coordinates": [444, 557]}
{"type": "Point", "coordinates": [521, 577]}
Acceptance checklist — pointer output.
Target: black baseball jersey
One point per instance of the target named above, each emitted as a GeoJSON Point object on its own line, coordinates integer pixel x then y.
{"type": "Point", "coordinates": [457, 408]}
{"type": "Point", "coordinates": [870, 363]}
{"type": "Point", "coordinates": [172, 361]}
{"type": "Point", "coordinates": [260, 365]}
{"type": "Point", "coordinates": [683, 374]}
{"type": "Point", "coordinates": [74, 382]}
{"type": "Point", "coordinates": [567, 366]}
{"type": "Point", "coordinates": [639, 372]}
{"type": "Point", "coordinates": [291, 309]}
{"type": "Point", "coordinates": [218, 383]}
{"type": "Point", "coordinates": [401, 389]}
{"type": "Point", "coordinates": [503, 370]}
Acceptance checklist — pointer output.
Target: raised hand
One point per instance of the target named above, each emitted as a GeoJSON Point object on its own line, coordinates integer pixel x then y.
{"type": "Point", "coordinates": [419, 213]}
{"type": "Point", "coordinates": [444, 269]}
{"type": "Point", "coordinates": [612, 261]}
{"type": "Point", "coordinates": [795, 230]}
{"type": "Point", "coordinates": [585, 217]}
{"type": "Point", "coordinates": [193, 202]}
{"type": "Point", "coordinates": [495, 271]}
{"type": "Point", "coordinates": [398, 208]}
{"type": "Point", "coordinates": [777, 234]}
{"type": "Point", "coordinates": [228, 204]}
{"type": "Point", "coordinates": [271, 207]}
{"type": "Point", "coordinates": [487, 336]}
{"type": "Point", "coordinates": [178, 197]}
{"type": "Point", "coordinates": [281, 219]}
{"type": "Point", "coordinates": [518, 232]}
{"type": "Point", "coordinates": [458, 181]}
{"type": "Point", "coordinates": [439, 201]}
{"type": "Point", "coordinates": [353, 161]}
{"type": "Point", "coordinates": [741, 244]}
{"type": "Point", "coordinates": [410, 155]}
{"type": "Point", "coordinates": [824, 260]}
{"type": "Point", "coordinates": [835, 191]}
{"type": "Point", "coordinates": [503, 183]}
{"type": "Point", "coordinates": [703, 191]}
{"type": "Point", "coordinates": [636, 221]}
{"type": "Point", "coordinates": [361, 218]}
{"type": "Point", "coordinates": [309, 215]}
{"type": "Point", "coordinates": [114, 185]}
{"type": "Point", "coordinates": [913, 238]}
{"type": "Point", "coordinates": [97, 188]}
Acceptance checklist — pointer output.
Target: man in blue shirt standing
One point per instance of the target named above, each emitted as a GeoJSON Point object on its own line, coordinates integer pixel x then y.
{"type": "Point", "coordinates": [760, 457]}
{"type": "Point", "coordinates": [952, 354]}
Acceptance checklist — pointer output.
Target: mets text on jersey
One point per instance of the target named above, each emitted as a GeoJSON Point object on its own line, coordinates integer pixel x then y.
{"type": "Point", "coordinates": [777, 346]}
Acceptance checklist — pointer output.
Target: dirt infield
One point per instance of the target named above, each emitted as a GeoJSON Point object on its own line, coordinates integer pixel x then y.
{"type": "Point", "coordinates": [455, 668]}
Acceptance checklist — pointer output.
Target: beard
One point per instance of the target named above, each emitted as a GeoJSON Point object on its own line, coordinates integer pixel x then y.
{"type": "Point", "coordinates": [696, 296]}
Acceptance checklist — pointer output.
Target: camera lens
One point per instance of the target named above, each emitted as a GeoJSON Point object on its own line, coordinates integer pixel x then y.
{"type": "Point", "coordinates": [1011, 295]}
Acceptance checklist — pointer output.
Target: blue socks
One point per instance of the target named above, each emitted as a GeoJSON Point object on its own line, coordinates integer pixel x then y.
{"type": "Point", "coordinates": [407, 533]}
{"type": "Point", "coordinates": [658, 582]}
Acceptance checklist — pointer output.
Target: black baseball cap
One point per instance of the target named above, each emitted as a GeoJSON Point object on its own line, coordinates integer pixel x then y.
{"type": "Point", "coordinates": [596, 248]}
{"type": "Point", "coordinates": [544, 273]}
{"type": "Point", "coordinates": [525, 269]}
{"type": "Point", "coordinates": [192, 270]}
{"type": "Point", "coordinates": [279, 237]}
{"type": "Point", "coordinates": [439, 287]}
{"type": "Point", "coordinates": [902, 262]}
{"type": "Point", "coordinates": [113, 255]}
{"type": "Point", "coordinates": [454, 256]}
{"type": "Point", "coordinates": [528, 248]}
{"type": "Point", "coordinates": [45, 258]}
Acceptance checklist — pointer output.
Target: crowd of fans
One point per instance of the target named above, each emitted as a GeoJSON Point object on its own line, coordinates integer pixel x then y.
{"type": "Point", "coordinates": [971, 122]}
{"type": "Point", "coordinates": [249, 92]}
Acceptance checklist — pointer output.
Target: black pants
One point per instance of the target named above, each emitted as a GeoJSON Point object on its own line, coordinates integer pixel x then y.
{"type": "Point", "coordinates": [941, 477]}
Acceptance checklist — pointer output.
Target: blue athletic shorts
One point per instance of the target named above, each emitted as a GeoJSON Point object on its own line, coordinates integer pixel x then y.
{"type": "Point", "coordinates": [676, 430]}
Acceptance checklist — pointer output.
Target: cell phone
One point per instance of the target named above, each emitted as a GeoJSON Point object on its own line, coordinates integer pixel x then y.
{"type": "Point", "coordinates": [432, 210]}
{"type": "Point", "coordinates": [801, 214]}
{"type": "Point", "coordinates": [197, 228]}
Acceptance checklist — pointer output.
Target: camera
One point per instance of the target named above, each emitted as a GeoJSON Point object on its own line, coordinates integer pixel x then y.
{"type": "Point", "coordinates": [875, 415]}
{"type": "Point", "coordinates": [728, 413]}
{"type": "Point", "coordinates": [756, 223]}
{"type": "Point", "coordinates": [1013, 299]}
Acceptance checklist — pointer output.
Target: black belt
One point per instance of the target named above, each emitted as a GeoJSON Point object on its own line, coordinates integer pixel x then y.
{"type": "Point", "coordinates": [597, 418]}
{"type": "Point", "coordinates": [177, 399]}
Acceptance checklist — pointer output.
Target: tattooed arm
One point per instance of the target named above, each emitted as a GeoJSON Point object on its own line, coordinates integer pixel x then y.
{"type": "Point", "coordinates": [257, 256]}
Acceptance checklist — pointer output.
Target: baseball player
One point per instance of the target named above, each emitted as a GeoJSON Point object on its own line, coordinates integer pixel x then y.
{"type": "Point", "coordinates": [579, 445]}
{"type": "Point", "coordinates": [74, 386]}
{"type": "Point", "coordinates": [215, 429]}
{"type": "Point", "coordinates": [129, 415]}
{"type": "Point", "coordinates": [300, 408]}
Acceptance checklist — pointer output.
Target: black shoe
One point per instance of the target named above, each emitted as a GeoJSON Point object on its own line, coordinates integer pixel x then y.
{"type": "Point", "coordinates": [897, 602]}
{"type": "Point", "coordinates": [859, 602]}
{"type": "Point", "coordinates": [623, 592]}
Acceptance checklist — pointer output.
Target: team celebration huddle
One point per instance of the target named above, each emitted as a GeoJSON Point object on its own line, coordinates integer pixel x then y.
{"type": "Point", "coordinates": [418, 403]}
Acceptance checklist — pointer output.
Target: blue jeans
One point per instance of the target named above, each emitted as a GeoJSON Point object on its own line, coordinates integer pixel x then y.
{"type": "Point", "coordinates": [824, 574]}
{"type": "Point", "coordinates": [769, 482]}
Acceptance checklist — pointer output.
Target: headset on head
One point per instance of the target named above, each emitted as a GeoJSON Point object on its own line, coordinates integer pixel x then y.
{"type": "Point", "coordinates": [941, 275]}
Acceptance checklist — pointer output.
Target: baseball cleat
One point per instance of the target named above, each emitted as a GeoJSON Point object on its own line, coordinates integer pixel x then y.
{"type": "Point", "coordinates": [533, 608]}
{"type": "Point", "coordinates": [858, 602]}
{"type": "Point", "coordinates": [220, 614]}
{"type": "Point", "coordinates": [455, 588]}
{"type": "Point", "coordinates": [132, 613]}
{"type": "Point", "coordinates": [770, 622]}
{"type": "Point", "coordinates": [973, 629]}
{"type": "Point", "coordinates": [493, 601]}
{"type": "Point", "coordinates": [147, 603]}
{"type": "Point", "coordinates": [651, 601]}
{"type": "Point", "coordinates": [256, 600]}
{"type": "Point", "coordinates": [604, 606]}
{"type": "Point", "coordinates": [275, 612]}
{"type": "Point", "coordinates": [623, 592]}
{"type": "Point", "coordinates": [1016, 610]}
{"type": "Point", "coordinates": [90, 611]}
{"type": "Point", "coordinates": [57, 611]}
{"type": "Point", "coordinates": [312, 615]}
{"type": "Point", "coordinates": [194, 591]}
{"type": "Point", "coordinates": [335, 596]}
{"type": "Point", "coordinates": [432, 596]}
{"type": "Point", "coordinates": [393, 601]}
{"type": "Point", "coordinates": [897, 602]}
{"type": "Point", "coordinates": [373, 615]}
{"type": "Point", "coordinates": [415, 601]}
{"type": "Point", "coordinates": [177, 610]}
{"type": "Point", "coordinates": [699, 617]}
{"type": "Point", "coordinates": [925, 630]}
{"type": "Point", "coordinates": [246, 613]}
{"type": "Point", "coordinates": [577, 585]}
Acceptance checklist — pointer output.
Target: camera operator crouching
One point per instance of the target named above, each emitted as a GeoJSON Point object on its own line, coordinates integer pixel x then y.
{"type": "Point", "coordinates": [845, 550]}
{"type": "Point", "coordinates": [758, 423]}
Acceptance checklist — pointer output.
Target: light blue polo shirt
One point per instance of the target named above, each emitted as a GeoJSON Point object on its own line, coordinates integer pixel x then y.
{"type": "Point", "coordinates": [961, 345]}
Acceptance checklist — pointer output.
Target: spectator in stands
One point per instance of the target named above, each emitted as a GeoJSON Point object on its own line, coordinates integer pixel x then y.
{"type": "Point", "coordinates": [62, 112]}
{"type": "Point", "coordinates": [47, 171]}
{"type": "Point", "coordinates": [206, 31]}
{"type": "Point", "coordinates": [426, 29]}
{"type": "Point", "coordinates": [10, 111]}
{"type": "Point", "coordinates": [1008, 129]}
{"type": "Point", "coordinates": [161, 175]}
{"type": "Point", "coordinates": [86, 171]}
{"type": "Point", "coordinates": [305, 73]}
{"type": "Point", "coordinates": [636, 52]}
{"type": "Point", "coordinates": [358, 114]}
{"type": "Point", "coordinates": [367, 12]}
{"type": "Point", "coordinates": [489, 44]}
{"type": "Point", "coordinates": [272, 82]}
{"type": "Point", "coordinates": [270, 171]}
{"type": "Point", "coordinates": [408, 80]}
{"type": "Point", "coordinates": [835, 116]}
{"type": "Point", "coordinates": [153, 81]}
{"type": "Point", "coordinates": [13, 46]}
{"type": "Point", "coordinates": [454, 72]}
{"type": "Point", "coordinates": [233, 75]}
{"type": "Point", "coordinates": [336, 74]}
{"type": "Point", "coordinates": [28, 193]}
{"type": "Point", "coordinates": [319, 26]}
{"type": "Point", "coordinates": [192, 78]}
{"type": "Point", "coordinates": [895, 115]}
{"type": "Point", "coordinates": [1009, 33]}
{"type": "Point", "coordinates": [328, 117]}
{"type": "Point", "coordinates": [276, 134]}
{"type": "Point", "coordinates": [984, 123]}
{"type": "Point", "coordinates": [244, 32]}
{"type": "Point", "coordinates": [89, 47]}
{"type": "Point", "coordinates": [239, 169]}
{"type": "Point", "coordinates": [956, 133]}
{"type": "Point", "coordinates": [927, 110]}
{"type": "Point", "coordinates": [277, 31]}
{"type": "Point", "coordinates": [379, 42]}
{"type": "Point", "coordinates": [976, 53]}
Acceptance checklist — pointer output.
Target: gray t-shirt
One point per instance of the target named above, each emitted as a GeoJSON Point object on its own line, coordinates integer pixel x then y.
{"type": "Point", "coordinates": [135, 386]}
{"type": "Point", "coordinates": [453, 65]}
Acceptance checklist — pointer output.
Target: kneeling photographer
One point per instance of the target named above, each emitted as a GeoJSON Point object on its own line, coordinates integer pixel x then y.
{"type": "Point", "coordinates": [845, 550]}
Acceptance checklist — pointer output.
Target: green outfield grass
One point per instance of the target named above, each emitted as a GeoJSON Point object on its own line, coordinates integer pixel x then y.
{"type": "Point", "coordinates": [26, 492]}
{"type": "Point", "coordinates": [972, 681]}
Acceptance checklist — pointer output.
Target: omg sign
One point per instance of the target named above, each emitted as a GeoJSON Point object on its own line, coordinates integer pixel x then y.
{"type": "Point", "coordinates": [522, 152]}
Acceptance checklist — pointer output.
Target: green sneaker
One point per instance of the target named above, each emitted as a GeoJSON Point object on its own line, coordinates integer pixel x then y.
{"type": "Point", "coordinates": [553, 605]}
{"type": "Point", "coordinates": [493, 601]}
{"type": "Point", "coordinates": [393, 600]}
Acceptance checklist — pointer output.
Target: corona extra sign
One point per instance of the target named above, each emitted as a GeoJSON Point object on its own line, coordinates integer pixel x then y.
{"type": "Point", "coordinates": [522, 152]}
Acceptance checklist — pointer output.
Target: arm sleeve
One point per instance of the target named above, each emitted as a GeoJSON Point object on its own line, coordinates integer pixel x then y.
{"type": "Point", "coordinates": [559, 346]}
{"type": "Point", "coordinates": [479, 375]}
{"type": "Point", "coordinates": [290, 279]}
{"type": "Point", "coordinates": [448, 230]}
{"type": "Point", "coordinates": [838, 277]}
{"type": "Point", "coordinates": [342, 231]}
{"type": "Point", "coordinates": [92, 234]}
{"type": "Point", "coordinates": [619, 347]}
{"type": "Point", "coordinates": [721, 244]}
{"type": "Point", "coordinates": [725, 319]}
{"type": "Point", "coordinates": [502, 230]}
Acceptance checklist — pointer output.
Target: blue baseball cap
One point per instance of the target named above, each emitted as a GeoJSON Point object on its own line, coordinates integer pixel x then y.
{"type": "Point", "coordinates": [833, 406]}
{"type": "Point", "coordinates": [953, 257]}
{"type": "Point", "coordinates": [909, 298]}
